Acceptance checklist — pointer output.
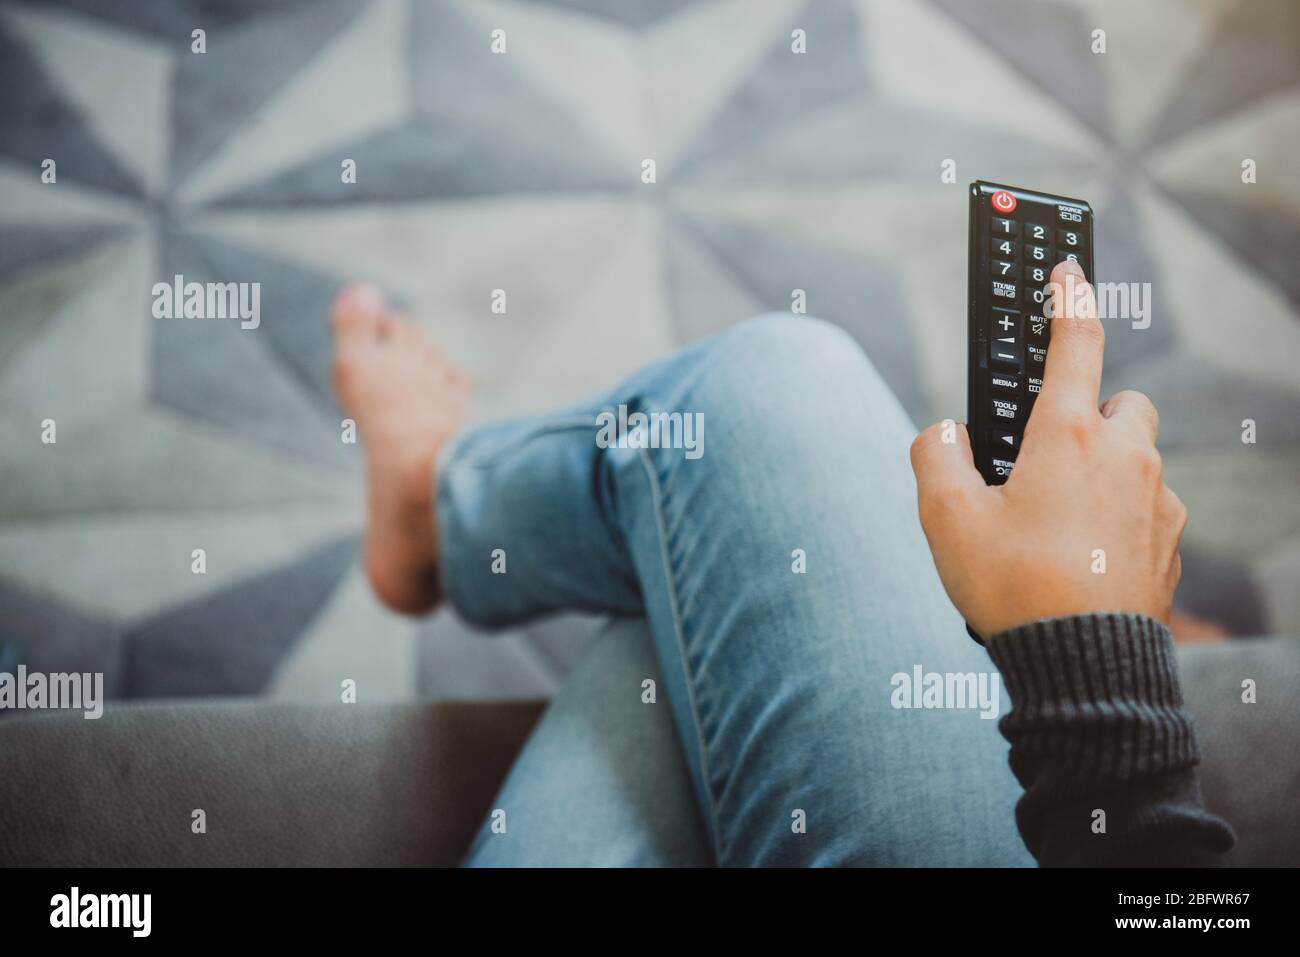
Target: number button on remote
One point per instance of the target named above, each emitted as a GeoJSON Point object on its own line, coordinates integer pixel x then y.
{"type": "Point", "coordinates": [1003, 268]}
{"type": "Point", "coordinates": [1004, 248]}
{"type": "Point", "coordinates": [1035, 233]}
{"type": "Point", "coordinates": [1002, 227]}
{"type": "Point", "coordinates": [1037, 275]}
{"type": "Point", "coordinates": [1037, 254]}
{"type": "Point", "coordinates": [1083, 263]}
{"type": "Point", "coordinates": [1069, 238]}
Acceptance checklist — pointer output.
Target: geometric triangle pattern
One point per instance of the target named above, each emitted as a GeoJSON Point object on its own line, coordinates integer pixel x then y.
{"type": "Point", "coordinates": [231, 642]}
{"type": "Point", "coordinates": [775, 171]}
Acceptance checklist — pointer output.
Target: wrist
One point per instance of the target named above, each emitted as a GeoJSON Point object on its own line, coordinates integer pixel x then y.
{"type": "Point", "coordinates": [1116, 671]}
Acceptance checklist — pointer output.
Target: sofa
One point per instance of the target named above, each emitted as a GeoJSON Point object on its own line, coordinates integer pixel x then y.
{"type": "Point", "coordinates": [408, 784]}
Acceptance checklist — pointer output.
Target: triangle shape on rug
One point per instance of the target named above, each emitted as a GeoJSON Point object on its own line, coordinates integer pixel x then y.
{"type": "Point", "coordinates": [785, 88]}
{"type": "Point", "coordinates": [270, 383]}
{"type": "Point", "coordinates": [118, 82]}
{"type": "Point", "coordinates": [502, 105]}
{"type": "Point", "coordinates": [231, 642]}
{"type": "Point", "coordinates": [837, 288]}
{"type": "Point", "coordinates": [422, 159]}
{"type": "Point", "coordinates": [40, 125]}
{"type": "Point", "coordinates": [218, 91]}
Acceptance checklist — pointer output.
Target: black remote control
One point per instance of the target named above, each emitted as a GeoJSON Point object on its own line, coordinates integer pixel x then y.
{"type": "Point", "coordinates": [1016, 237]}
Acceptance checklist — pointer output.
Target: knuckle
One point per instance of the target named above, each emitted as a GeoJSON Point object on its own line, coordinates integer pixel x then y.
{"type": "Point", "coordinates": [1077, 424]}
{"type": "Point", "coordinates": [1142, 401]}
{"type": "Point", "coordinates": [1148, 463]}
{"type": "Point", "coordinates": [1141, 398]}
{"type": "Point", "coordinates": [927, 436]}
{"type": "Point", "coordinates": [1177, 510]}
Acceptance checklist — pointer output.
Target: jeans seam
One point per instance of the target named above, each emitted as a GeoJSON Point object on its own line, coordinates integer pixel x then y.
{"type": "Point", "coordinates": [673, 607]}
{"type": "Point", "coordinates": [469, 458]}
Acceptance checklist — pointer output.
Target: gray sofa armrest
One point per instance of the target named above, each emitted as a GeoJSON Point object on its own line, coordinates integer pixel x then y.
{"type": "Point", "coordinates": [399, 785]}
{"type": "Point", "coordinates": [388, 785]}
{"type": "Point", "coordinates": [1250, 769]}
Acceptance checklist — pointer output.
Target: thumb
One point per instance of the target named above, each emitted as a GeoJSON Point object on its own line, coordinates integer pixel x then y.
{"type": "Point", "coordinates": [945, 468]}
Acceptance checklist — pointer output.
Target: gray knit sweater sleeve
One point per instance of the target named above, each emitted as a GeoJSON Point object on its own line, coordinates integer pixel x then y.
{"type": "Point", "coordinates": [1099, 738]}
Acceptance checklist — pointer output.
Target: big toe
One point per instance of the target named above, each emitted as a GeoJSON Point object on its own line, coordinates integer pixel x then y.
{"type": "Point", "coordinates": [359, 313]}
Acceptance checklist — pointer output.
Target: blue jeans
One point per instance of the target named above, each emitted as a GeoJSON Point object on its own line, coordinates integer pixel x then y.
{"type": "Point", "coordinates": [770, 734]}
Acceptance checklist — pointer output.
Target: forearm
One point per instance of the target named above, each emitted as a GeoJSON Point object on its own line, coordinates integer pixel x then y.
{"type": "Point", "coordinates": [1098, 725]}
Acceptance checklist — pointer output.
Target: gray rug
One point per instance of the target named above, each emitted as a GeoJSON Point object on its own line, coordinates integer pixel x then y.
{"type": "Point", "coordinates": [775, 171]}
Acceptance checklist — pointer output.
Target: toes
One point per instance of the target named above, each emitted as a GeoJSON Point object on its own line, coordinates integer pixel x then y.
{"type": "Point", "coordinates": [358, 313]}
{"type": "Point", "coordinates": [404, 332]}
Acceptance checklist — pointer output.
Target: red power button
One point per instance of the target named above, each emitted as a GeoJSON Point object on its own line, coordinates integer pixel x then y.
{"type": "Point", "coordinates": [1003, 201]}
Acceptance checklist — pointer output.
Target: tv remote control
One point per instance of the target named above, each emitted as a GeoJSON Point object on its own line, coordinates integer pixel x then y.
{"type": "Point", "coordinates": [1016, 237]}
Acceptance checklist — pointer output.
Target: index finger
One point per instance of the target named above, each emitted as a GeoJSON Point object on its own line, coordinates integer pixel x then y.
{"type": "Point", "coordinates": [1073, 370]}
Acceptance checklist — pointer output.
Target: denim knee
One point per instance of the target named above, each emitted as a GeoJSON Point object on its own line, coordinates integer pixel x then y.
{"type": "Point", "coordinates": [766, 366]}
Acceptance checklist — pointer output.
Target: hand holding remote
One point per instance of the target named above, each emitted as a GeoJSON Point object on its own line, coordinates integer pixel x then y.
{"type": "Point", "coordinates": [1084, 523]}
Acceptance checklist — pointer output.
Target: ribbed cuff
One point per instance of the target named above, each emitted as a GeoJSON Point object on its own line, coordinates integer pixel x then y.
{"type": "Point", "coordinates": [1096, 695]}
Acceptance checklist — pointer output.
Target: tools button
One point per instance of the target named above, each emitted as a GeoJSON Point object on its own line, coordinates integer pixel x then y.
{"type": "Point", "coordinates": [1008, 412]}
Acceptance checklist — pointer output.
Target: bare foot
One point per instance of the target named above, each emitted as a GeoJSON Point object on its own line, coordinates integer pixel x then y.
{"type": "Point", "coordinates": [407, 400]}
